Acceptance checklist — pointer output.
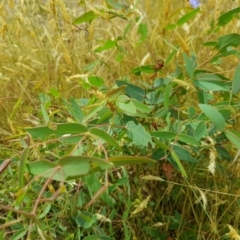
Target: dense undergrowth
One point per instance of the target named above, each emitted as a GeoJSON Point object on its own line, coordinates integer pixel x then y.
{"type": "Point", "coordinates": [119, 120]}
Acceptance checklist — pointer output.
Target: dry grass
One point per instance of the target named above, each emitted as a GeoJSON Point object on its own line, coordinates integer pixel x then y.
{"type": "Point", "coordinates": [41, 49]}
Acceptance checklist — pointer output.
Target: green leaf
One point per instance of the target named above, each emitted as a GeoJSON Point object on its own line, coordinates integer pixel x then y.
{"type": "Point", "coordinates": [143, 31]}
{"type": "Point", "coordinates": [229, 40]}
{"type": "Point", "coordinates": [187, 17]}
{"type": "Point", "coordinates": [161, 144]}
{"type": "Point", "coordinates": [125, 160]}
{"type": "Point", "coordinates": [75, 110]}
{"type": "Point", "coordinates": [188, 139]}
{"type": "Point", "coordinates": [45, 113]}
{"type": "Point", "coordinates": [144, 69]}
{"type": "Point", "coordinates": [167, 96]}
{"type": "Point", "coordinates": [236, 81]}
{"type": "Point", "coordinates": [183, 154]}
{"type": "Point", "coordinates": [23, 160]}
{"type": "Point", "coordinates": [234, 137]}
{"type": "Point", "coordinates": [77, 166]}
{"type": "Point", "coordinates": [86, 18]}
{"type": "Point", "coordinates": [95, 81]}
{"type": "Point", "coordinates": [85, 220]}
{"type": "Point", "coordinates": [179, 164]}
{"type": "Point", "coordinates": [170, 27]}
{"type": "Point", "coordinates": [200, 130]}
{"type": "Point", "coordinates": [19, 234]}
{"type": "Point", "coordinates": [92, 113]}
{"type": "Point", "coordinates": [116, 5]}
{"type": "Point", "coordinates": [105, 136]}
{"type": "Point", "coordinates": [45, 169]}
{"type": "Point", "coordinates": [164, 135]}
{"type": "Point", "coordinates": [133, 91]}
{"type": "Point", "coordinates": [115, 93]}
{"type": "Point", "coordinates": [106, 46]}
{"type": "Point", "coordinates": [190, 65]}
{"type": "Point", "coordinates": [170, 57]}
{"type": "Point", "coordinates": [95, 237]}
{"type": "Point", "coordinates": [211, 86]}
{"type": "Point", "coordinates": [225, 54]}
{"type": "Point", "coordinates": [62, 129]}
{"type": "Point", "coordinates": [126, 105]}
{"type": "Point", "coordinates": [138, 134]}
{"type": "Point", "coordinates": [227, 17]}
{"type": "Point", "coordinates": [161, 113]}
{"type": "Point", "coordinates": [141, 107]}
{"type": "Point", "coordinates": [214, 115]}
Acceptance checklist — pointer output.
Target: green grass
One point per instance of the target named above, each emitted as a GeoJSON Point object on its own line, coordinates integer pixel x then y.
{"type": "Point", "coordinates": [43, 52]}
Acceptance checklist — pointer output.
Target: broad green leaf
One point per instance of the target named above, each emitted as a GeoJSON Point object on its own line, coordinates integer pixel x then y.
{"type": "Point", "coordinates": [234, 137]}
{"type": "Point", "coordinates": [187, 17]}
{"type": "Point", "coordinates": [138, 134]}
{"type": "Point", "coordinates": [106, 46]}
{"type": "Point", "coordinates": [167, 96]}
{"type": "Point", "coordinates": [85, 18]}
{"type": "Point", "coordinates": [183, 154]}
{"type": "Point", "coordinates": [227, 16]}
{"type": "Point", "coordinates": [95, 81]}
{"type": "Point", "coordinates": [126, 105]}
{"type": "Point", "coordinates": [164, 135]}
{"type": "Point", "coordinates": [236, 80]}
{"type": "Point", "coordinates": [161, 113]}
{"type": "Point", "coordinates": [75, 110]}
{"type": "Point", "coordinates": [143, 31]}
{"type": "Point", "coordinates": [211, 85]}
{"type": "Point", "coordinates": [179, 164]}
{"type": "Point", "coordinates": [125, 160]}
{"type": "Point", "coordinates": [200, 131]}
{"type": "Point", "coordinates": [85, 220]}
{"type": "Point", "coordinates": [144, 69]}
{"type": "Point", "coordinates": [133, 91]}
{"type": "Point", "coordinates": [214, 115]}
{"type": "Point", "coordinates": [105, 136]}
{"type": "Point", "coordinates": [115, 93]}
{"type": "Point", "coordinates": [188, 139]}
{"type": "Point", "coordinates": [74, 166]}
{"type": "Point", "coordinates": [46, 169]}
{"type": "Point", "coordinates": [23, 160]}
{"type": "Point", "coordinates": [229, 40]}
{"type": "Point", "coordinates": [141, 107]}
{"type": "Point", "coordinates": [206, 76]}
{"type": "Point", "coordinates": [77, 166]}
{"type": "Point", "coordinates": [61, 129]}
{"type": "Point", "coordinates": [190, 65]}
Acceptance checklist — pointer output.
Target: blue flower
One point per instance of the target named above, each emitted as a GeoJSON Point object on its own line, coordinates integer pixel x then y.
{"type": "Point", "coordinates": [194, 3]}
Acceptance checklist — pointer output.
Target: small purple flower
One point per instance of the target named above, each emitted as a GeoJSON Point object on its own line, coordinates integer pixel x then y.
{"type": "Point", "coordinates": [194, 3]}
